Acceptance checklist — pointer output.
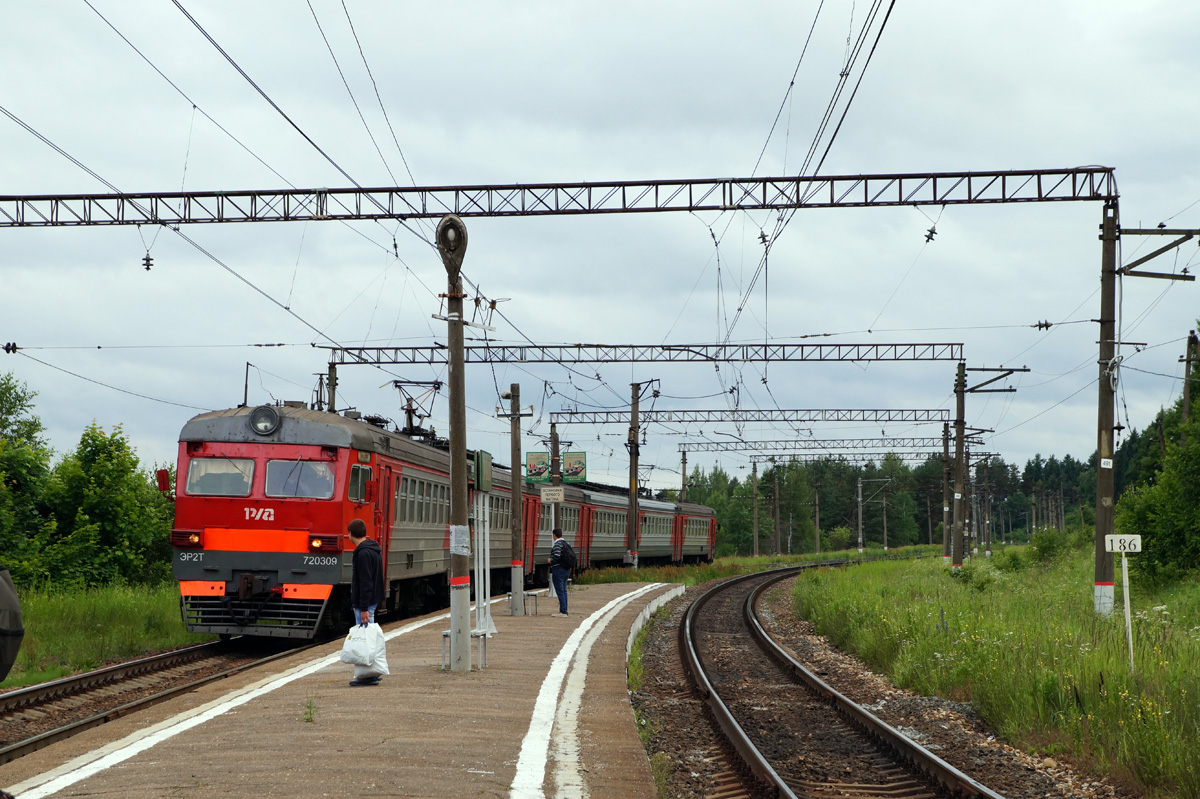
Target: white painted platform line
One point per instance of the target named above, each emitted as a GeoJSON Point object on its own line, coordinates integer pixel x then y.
{"type": "Point", "coordinates": [569, 782]}
{"type": "Point", "coordinates": [535, 748]}
{"type": "Point", "coordinates": [116, 752]}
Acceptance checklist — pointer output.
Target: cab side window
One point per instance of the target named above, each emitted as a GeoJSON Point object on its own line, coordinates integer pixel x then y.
{"type": "Point", "coordinates": [359, 477]}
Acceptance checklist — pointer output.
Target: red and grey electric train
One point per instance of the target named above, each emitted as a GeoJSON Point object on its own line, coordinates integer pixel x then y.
{"type": "Point", "coordinates": [264, 496]}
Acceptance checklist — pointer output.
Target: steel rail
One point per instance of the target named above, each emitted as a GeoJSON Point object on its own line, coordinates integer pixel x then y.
{"type": "Point", "coordinates": [22, 748]}
{"type": "Point", "coordinates": [741, 742]}
{"type": "Point", "coordinates": [15, 700]}
{"type": "Point", "coordinates": [904, 747]}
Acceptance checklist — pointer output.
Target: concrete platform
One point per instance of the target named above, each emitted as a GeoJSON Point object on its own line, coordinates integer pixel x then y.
{"type": "Point", "coordinates": [548, 717]}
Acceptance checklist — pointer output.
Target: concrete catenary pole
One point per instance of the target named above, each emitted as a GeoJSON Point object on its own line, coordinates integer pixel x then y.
{"type": "Point", "coordinates": [1106, 412]}
{"type": "Point", "coordinates": [555, 476]}
{"type": "Point", "coordinates": [1191, 355]}
{"type": "Point", "coordinates": [778, 523]}
{"type": "Point", "coordinates": [452, 246]}
{"type": "Point", "coordinates": [987, 510]}
{"type": "Point", "coordinates": [885, 547]}
{"type": "Point", "coordinates": [817, 511]}
{"type": "Point", "coordinates": [956, 540]}
{"type": "Point", "coordinates": [517, 575]}
{"type": "Point", "coordinates": [555, 480]}
{"type": "Point", "coordinates": [332, 381]}
{"type": "Point", "coordinates": [683, 483]}
{"type": "Point", "coordinates": [860, 544]}
{"type": "Point", "coordinates": [631, 522]}
{"type": "Point", "coordinates": [754, 501]}
{"type": "Point", "coordinates": [946, 527]}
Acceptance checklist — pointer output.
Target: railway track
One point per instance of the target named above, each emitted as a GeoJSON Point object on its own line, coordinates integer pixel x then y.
{"type": "Point", "coordinates": [795, 735]}
{"type": "Point", "coordinates": [37, 716]}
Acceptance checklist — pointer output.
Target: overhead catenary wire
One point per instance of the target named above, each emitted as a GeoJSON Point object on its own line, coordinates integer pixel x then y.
{"type": "Point", "coordinates": [370, 197]}
{"type": "Point", "coordinates": [110, 385]}
{"type": "Point", "coordinates": [785, 219]}
{"type": "Point", "coordinates": [179, 232]}
{"type": "Point", "coordinates": [371, 74]}
{"type": "Point", "coordinates": [218, 125]}
{"type": "Point", "coordinates": [350, 92]}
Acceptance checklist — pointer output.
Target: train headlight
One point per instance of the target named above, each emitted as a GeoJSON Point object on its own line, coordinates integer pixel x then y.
{"type": "Point", "coordinates": [187, 539]}
{"type": "Point", "coordinates": [264, 420]}
{"type": "Point", "coordinates": [323, 542]}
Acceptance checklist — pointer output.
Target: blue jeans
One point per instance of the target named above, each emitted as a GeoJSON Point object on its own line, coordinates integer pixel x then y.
{"type": "Point", "coordinates": [358, 614]}
{"type": "Point", "coordinates": [559, 575]}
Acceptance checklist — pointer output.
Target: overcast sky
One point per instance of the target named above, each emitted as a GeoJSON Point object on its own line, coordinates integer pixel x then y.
{"type": "Point", "coordinates": [541, 92]}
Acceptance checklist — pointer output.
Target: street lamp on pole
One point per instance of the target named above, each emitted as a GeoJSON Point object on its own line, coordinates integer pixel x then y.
{"type": "Point", "coordinates": [452, 246]}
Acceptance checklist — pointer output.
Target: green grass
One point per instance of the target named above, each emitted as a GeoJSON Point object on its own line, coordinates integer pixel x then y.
{"type": "Point", "coordinates": [1022, 643]}
{"type": "Point", "coordinates": [72, 630]}
{"type": "Point", "coordinates": [726, 567]}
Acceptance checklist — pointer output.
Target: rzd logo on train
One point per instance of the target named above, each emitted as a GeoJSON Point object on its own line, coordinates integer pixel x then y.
{"type": "Point", "coordinates": [261, 514]}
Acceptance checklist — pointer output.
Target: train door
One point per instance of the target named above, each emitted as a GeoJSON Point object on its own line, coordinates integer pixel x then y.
{"type": "Point", "coordinates": [533, 513]}
{"type": "Point", "coordinates": [587, 523]}
{"type": "Point", "coordinates": [678, 525]}
{"type": "Point", "coordinates": [384, 501]}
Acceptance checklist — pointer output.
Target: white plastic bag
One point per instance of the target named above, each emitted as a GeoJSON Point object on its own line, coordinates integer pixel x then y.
{"type": "Point", "coordinates": [366, 649]}
{"type": "Point", "coordinates": [358, 647]}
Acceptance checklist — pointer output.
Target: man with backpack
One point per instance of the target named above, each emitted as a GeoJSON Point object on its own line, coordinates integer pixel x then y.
{"type": "Point", "coordinates": [562, 560]}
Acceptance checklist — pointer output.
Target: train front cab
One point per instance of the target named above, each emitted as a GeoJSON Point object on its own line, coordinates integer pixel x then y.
{"type": "Point", "coordinates": [259, 541]}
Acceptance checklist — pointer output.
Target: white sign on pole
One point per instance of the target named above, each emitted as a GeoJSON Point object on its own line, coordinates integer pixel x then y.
{"type": "Point", "coordinates": [1123, 543]}
{"type": "Point", "coordinates": [552, 493]}
{"type": "Point", "coordinates": [460, 539]}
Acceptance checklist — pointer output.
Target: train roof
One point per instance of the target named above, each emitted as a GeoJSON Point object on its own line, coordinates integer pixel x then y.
{"type": "Point", "coordinates": [301, 425]}
{"type": "Point", "coordinates": [318, 428]}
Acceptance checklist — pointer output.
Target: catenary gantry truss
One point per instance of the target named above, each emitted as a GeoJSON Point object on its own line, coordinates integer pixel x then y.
{"type": "Point", "coordinates": [857, 457]}
{"type": "Point", "coordinates": [634, 353]}
{"type": "Point", "coordinates": [1088, 183]}
{"type": "Point", "coordinates": [811, 444]}
{"type": "Point", "coordinates": [754, 415]}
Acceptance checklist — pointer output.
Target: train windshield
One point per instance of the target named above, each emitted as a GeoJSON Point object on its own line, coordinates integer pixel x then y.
{"type": "Point", "coordinates": [308, 479]}
{"type": "Point", "coordinates": [220, 477]}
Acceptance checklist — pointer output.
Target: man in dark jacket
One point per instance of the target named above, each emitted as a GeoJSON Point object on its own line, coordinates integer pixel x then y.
{"type": "Point", "coordinates": [366, 577]}
{"type": "Point", "coordinates": [559, 571]}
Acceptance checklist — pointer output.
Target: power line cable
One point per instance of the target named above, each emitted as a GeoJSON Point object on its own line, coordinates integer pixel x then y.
{"type": "Point", "coordinates": [377, 97]}
{"type": "Point", "coordinates": [221, 127]}
{"type": "Point", "coordinates": [110, 386]}
{"type": "Point", "coordinates": [788, 92]}
{"type": "Point", "coordinates": [370, 197]}
{"type": "Point", "coordinates": [784, 221]}
{"type": "Point", "coordinates": [350, 92]}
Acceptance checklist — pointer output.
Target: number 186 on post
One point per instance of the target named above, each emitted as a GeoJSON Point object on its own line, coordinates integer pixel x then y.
{"type": "Point", "coordinates": [1123, 543]}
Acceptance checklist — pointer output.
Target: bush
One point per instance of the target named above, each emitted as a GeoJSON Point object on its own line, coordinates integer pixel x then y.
{"type": "Point", "coordinates": [839, 538]}
{"type": "Point", "coordinates": [1167, 514]}
{"type": "Point", "coordinates": [1010, 559]}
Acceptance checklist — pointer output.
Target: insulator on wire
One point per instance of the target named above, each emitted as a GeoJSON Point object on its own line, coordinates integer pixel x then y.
{"type": "Point", "coordinates": [147, 261]}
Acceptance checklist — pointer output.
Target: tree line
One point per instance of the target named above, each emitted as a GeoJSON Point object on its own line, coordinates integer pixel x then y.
{"type": "Point", "coordinates": [901, 503]}
{"type": "Point", "coordinates": [93, 517]}
{"type": "Point", "coordinates": [1156, 471]}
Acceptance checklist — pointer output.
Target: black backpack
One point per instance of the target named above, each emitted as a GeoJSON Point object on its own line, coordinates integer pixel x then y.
{"type": "Point", "coordinates": [567, 556]}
